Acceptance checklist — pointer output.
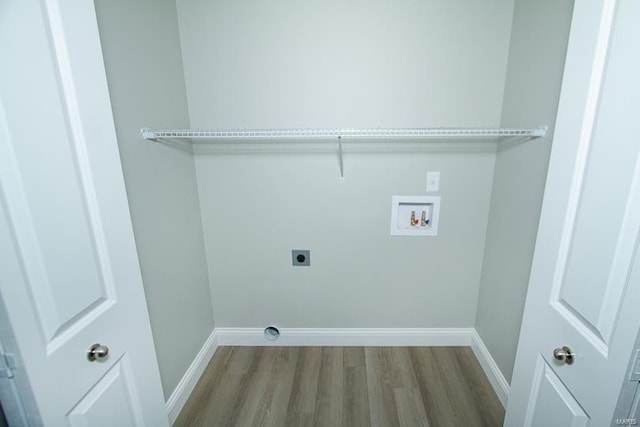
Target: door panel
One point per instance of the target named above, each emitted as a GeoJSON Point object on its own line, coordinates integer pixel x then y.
{"type": "Point", "coordinates": [584, 289]}
{"type": "Point", "coordinates": [602, 237]}
{"type": "Point", "coordinates": [56, 226]}
{"type": "Point", "coordinates": [44, 216]}
{"type": "Point", "coordinates": [551, 404]}
{"type": "Point", "coordinates": [114, 390]}
{"type": "Point", "coordinates": [605, 222]}
{"type": "Point", "coordinates": [75, 279]}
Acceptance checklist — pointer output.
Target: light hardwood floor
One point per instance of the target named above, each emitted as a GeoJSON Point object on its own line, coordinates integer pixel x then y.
{"type": "Point", "coordinates": [343, 386]}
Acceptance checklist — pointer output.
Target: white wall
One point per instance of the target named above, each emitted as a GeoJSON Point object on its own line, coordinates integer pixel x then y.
{"type": "Point", "coordinates": [536, 61]}
{"type": "Point", "coordinates": [330, 63]}
{"type": "Point", "coordinates": [383, 63]}
{"type": "Point", "coordinates": [257, 207]}
{"type": "Point", "coordinates": [146, 83]}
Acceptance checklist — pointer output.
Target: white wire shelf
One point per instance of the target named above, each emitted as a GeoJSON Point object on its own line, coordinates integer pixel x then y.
{"type": "Point", "coordinates": [185, 138]}
{"type": "Point", "coordinates": [332, 134]}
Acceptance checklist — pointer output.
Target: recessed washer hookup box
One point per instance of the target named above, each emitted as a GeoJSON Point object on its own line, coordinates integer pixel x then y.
{"type": "Point", "coordinates": [415, 215]}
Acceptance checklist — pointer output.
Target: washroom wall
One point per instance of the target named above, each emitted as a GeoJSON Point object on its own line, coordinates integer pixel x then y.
{"type": "Point", "coordinates": [536, 62]}
{"type": "Point", "coordinates": [142, 56]}
{"type": "Point", "coordinates": [324, 64]}
{"type": "Point", "coordinates": [258, 207]}
{"type": "Point", "coordinates": [252, 64]}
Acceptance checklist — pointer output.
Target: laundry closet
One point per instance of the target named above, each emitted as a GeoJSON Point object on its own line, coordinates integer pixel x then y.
{"type": "Point", "coordinates": [215, 221]}
{"type": "Point", "coordinates": [188, 175]}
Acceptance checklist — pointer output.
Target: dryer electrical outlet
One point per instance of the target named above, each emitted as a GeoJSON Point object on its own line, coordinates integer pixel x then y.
{"type": "Point", "coordinates": [300, 257]}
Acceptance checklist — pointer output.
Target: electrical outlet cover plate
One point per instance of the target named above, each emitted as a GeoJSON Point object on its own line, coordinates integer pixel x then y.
{"type": "Point", "coordinates": [433, 181]}
{"type": "Point", "coordinates": [300, 257]}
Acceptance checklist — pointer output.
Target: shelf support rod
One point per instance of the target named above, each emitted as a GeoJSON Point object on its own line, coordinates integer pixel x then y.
{"type": "Point", "coordinates": [340, 158]}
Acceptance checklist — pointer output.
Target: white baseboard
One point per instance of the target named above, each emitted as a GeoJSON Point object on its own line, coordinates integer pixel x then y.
{"type": "Point", "coordinates": [490, 368]}
{"type": "Point", "coordinates": [189, 380]}
{"type": "Point", "coordinates": [348, 337]}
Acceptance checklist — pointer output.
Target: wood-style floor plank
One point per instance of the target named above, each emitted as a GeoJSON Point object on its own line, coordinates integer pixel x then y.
{"type": "Point", "coordinates": [437, 404]}
{"type": "Point", "coordinates": [342, 386]}
{"type": "Point", "coordinates": [484, 398]}
{"type": "Point", "coordinates": [456, 388]}
{"type": "Point", "coordinates": [379, 381]}
{"type": "Point", "coordinates": [330, 388]}
{"type": "Point", "coordinates": [355, 403]}
{"type": "Point", "coordinates": [411, 412]}
{"type": "Point", "coordinates": [302, 403]}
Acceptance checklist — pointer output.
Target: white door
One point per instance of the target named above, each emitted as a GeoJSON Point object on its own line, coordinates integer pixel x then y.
{"type": "Point", "coordinates": [69, 273]}
{"type": "Point", "coordinates": [584, 290]}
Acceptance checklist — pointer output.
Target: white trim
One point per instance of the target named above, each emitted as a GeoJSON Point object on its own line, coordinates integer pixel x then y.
{"type": "Point", "coordinates": [348, 337]}
{"type": "Point", "coordinates": [188, 382]}
{"type": "Point", "coordinates": [490, 368]}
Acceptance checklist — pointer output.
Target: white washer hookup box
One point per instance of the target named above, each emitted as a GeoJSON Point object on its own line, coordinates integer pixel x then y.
{"type": "Point", "coordinates": [415, 215]}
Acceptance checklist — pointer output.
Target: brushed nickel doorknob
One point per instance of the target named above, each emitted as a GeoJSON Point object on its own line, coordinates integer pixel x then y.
{"type": "Point", "coordinates": [563, 355]}
{"type": "Point", "coordinates": [97, 352]}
